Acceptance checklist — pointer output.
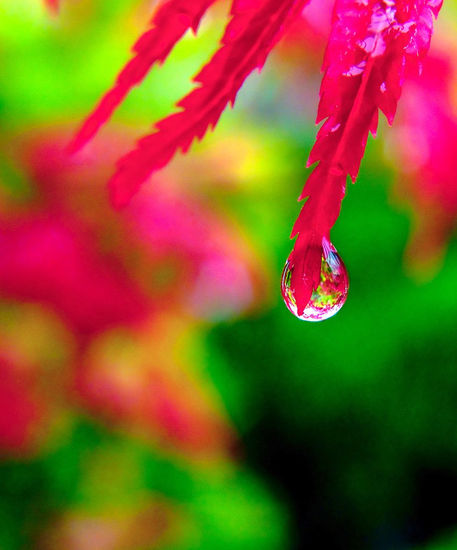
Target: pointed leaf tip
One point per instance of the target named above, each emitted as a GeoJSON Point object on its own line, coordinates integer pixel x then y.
{"type": "Point", "coordinates": [371, 46]}
{"type": "Point", "coordinates": [249, 36]}
{"type": "Point", "coordinates": [171, 21]}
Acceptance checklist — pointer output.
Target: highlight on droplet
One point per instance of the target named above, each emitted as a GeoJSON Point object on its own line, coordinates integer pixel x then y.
{"type": "Point", "coordinates": [328, 298]}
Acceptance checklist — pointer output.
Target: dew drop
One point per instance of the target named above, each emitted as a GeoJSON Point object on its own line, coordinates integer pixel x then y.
{"type": "Point", "coordinates": [330, 295]}
{"type": "Point", "coordinates": [356, 70]}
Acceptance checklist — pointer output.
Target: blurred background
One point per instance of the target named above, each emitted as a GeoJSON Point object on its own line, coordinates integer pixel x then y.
{"type": "Point", "coordinates": [155, 393]}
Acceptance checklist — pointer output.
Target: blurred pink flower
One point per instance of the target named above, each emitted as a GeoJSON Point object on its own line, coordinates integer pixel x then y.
{"type": "Point", "coordinates": [131, 287]}
{"type": "Point", "coordinates": [99, 269]}
{"type": "Point", "coordinates": [47, 258]}
{"type": "Point", "coordinates": [424, 147]}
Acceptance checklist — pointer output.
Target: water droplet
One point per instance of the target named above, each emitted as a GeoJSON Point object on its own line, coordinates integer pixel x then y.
{"type": "Point", "coordinates": [330, 295]}
{"type": "Point", "coordinates": [356, 70]}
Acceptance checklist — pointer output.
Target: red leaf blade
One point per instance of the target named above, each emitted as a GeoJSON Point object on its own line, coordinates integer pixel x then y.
{"type": "Point", "coordinates": [372, 44]}
{"type": "Point", "coordinates": [171, 21]}
{"type": "Point", "coordinates": [255, 27]}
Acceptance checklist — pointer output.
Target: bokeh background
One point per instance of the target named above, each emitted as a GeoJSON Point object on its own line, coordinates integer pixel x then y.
{"type": "Point", "coordinates": [155, 393]}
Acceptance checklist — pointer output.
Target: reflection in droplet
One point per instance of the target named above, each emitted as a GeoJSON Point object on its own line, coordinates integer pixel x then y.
{"type": "Point", "coordinates": [330, 295]}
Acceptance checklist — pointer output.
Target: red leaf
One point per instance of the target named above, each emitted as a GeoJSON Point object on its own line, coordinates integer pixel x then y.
{"type": "Point", "coordinates": [371, 45]}
{"type": "Point", "coordinates": [255, 27]}
{"type": "Point", "coordinates": [171, 21]}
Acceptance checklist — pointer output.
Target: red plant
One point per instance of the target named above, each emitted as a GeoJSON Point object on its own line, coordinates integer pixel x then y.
{"type": "Point", "coordinates": [115, 297]}
{"type": "Point", "coordinates": [372, 45]}
{"type": "Point", "coordinates": [169, 24]}
{"type": "Point", "coordinates": [254, 29]}
{"type": "Point", "coordinates": [98, 269]}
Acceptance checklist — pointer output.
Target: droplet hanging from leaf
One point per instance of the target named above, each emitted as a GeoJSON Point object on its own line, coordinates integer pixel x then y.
{"type": "Point", "coordinates": [328, 298]}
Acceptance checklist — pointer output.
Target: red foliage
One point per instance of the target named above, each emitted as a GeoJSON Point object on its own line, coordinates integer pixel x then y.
{"type": "Point", "coordinates": [98, 269]}
{"type": "Point", "coordinates": [255, 27]}
{"type": "Point", "coordinates": [371, 46]}
{"type": "Point", "coordinates": [49, 259]}
{"type": "Point", "coordinates": [114, 298]}
{"type": "Point", "coordinates": [171, 21]}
